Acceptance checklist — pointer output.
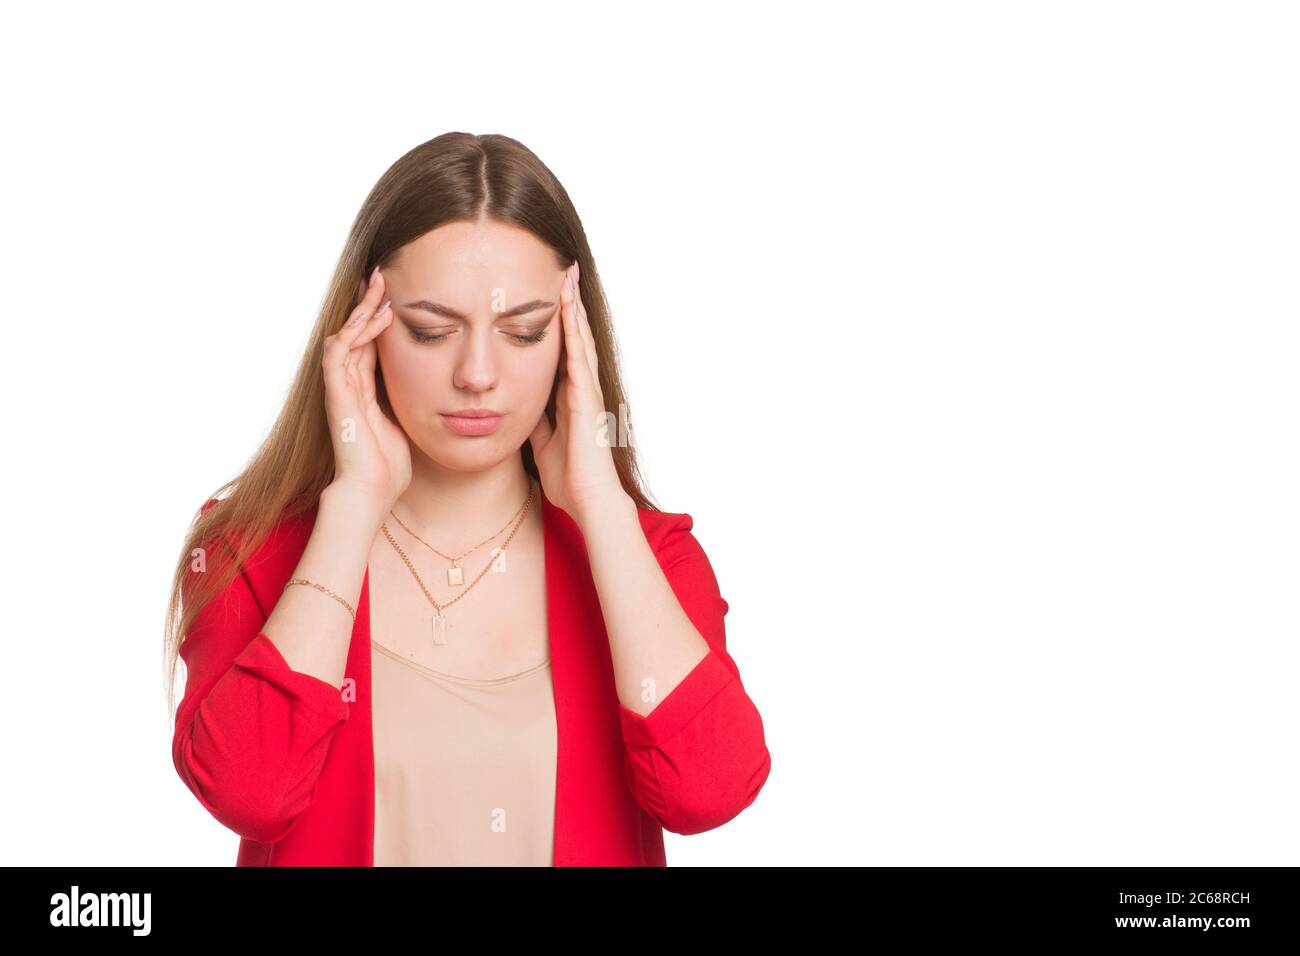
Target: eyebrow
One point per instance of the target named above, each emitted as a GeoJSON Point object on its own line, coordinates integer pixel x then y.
{"type": "Point", "coordinates": [448, 312]}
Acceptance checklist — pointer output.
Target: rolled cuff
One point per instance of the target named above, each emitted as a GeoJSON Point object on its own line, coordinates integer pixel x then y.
{"type": "Point", "coordinates": [682, 704]}
{"type": "Point", "coordinates": [263, 658]}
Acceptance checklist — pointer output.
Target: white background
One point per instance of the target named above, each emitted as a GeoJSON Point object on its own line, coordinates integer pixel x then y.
{"type": "Point", "coordinates": [967, 333]}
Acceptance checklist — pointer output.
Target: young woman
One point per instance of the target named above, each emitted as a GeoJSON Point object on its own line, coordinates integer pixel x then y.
{"type": "Point", "coordinates": [436, 621]}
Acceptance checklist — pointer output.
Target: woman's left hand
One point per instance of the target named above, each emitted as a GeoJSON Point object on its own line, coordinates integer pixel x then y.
{"type": "Point", "coordinates": [574, 458]}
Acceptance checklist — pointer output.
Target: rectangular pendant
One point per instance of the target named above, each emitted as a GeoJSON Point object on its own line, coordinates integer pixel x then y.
{"type": "Point", "coordinates": [439, 629]}
{"type": "Point", "coordinates": [455, 576]}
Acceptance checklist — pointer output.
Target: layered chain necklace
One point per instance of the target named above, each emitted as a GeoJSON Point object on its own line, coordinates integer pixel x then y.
{"type": "Point", "coordinates": [455, 573]}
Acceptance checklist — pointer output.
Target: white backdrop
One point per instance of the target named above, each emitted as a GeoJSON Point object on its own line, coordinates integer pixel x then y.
{"type": "Point", "coordinates": [966, 333]}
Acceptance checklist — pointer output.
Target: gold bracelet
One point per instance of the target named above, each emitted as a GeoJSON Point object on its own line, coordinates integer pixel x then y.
{"type": "Point", "coordinates": [321, 587]}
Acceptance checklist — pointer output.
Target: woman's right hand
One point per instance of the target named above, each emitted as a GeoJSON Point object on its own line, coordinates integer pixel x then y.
{"type": "Point", "coordinates": [371, 453]}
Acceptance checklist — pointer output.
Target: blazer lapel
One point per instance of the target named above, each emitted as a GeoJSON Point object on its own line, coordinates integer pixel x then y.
{"type": "Point", "coordinates": [591, 825]}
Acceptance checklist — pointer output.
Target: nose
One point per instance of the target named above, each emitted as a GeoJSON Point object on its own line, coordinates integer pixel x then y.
{"type": "Point", "coordinates": [475, 369]}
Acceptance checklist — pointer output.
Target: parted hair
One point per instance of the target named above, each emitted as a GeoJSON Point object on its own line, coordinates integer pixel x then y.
{"type": "Point", "coordinates": [455, 177]}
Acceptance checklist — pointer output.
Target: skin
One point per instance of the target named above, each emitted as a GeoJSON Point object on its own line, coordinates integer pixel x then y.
{"type": "Point", "coordinates": [482, 270]}
{"type": "Point", "coordinates": [453, 490]}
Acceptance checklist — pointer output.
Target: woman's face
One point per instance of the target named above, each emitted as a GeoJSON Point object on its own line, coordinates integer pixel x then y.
{"type": "Point", "coordinates": [476, 324]}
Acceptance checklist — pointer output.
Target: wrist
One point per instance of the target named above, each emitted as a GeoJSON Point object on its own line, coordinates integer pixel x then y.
{"type": "Point", "coordinates": [343, 499]}
{"type": "Point", "coordinates": [611, 509]}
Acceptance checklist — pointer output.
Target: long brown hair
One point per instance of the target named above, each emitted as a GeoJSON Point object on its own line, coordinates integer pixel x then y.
{"type": "Point", "coordinates": [451, 178]}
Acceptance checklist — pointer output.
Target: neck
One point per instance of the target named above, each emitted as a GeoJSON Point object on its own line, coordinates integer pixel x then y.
{"type": "Point", "coordinates": [464, 506]}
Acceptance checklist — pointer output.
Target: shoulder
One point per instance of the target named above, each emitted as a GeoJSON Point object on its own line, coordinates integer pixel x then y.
{"type": "Point", "coordinates": [689, 571]}
{"type": "Point", "coordinates": [669, 533]}
{"type": "Point", "coordinates": [273, 558]}
{"type": "Point", "coordinates": [283, 535]}
{"type": "Point", "coordinates": [672, 537]}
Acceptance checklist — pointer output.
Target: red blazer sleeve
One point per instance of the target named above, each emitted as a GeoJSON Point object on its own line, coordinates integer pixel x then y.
{"type": "Point", "coordinates": [699, 757]}
{"type": "Point", "coordinates": [251, 734]}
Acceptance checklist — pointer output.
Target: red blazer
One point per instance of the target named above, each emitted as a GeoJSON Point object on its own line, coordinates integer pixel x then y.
{"type": "Point", "coordinates": [284, 760]}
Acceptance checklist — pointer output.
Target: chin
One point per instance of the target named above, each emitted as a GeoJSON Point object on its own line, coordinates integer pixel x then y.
{"type": "Point", "coordinates": [470, 454]}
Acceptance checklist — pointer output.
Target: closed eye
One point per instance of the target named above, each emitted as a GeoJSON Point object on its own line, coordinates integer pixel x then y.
{"type": "Point", "coordinates": [524, 339]}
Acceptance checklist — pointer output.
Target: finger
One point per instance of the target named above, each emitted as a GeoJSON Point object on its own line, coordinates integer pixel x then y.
{"type": "Point", "coordinates": [562, 396]}
{"type": "Point", "coordinates": [576, 366]}
{"type": "Point", "coordinates": [366, 369]}
{"type": "Point", "coordinates": [369, 301]}
{"type": "Point", "coordinates": [584, 327]}
{"type": "Point", "coordinates": [337, 347]}
{"type": "Point", "coordinates": [588, 341]}
{"type": "Point", "coordinates": [367, 353]}
{"type": "Point", "coordinates": [370, 330]}
{"type": "Point", "coordinates": [338, 344]}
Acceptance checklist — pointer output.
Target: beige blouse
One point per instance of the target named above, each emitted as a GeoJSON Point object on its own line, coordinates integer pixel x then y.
{"type": "Point", "coordinates": [464, 768]}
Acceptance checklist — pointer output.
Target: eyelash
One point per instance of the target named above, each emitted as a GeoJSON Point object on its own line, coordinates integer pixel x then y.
{"type": "Point", "coordinates": [523, 339]}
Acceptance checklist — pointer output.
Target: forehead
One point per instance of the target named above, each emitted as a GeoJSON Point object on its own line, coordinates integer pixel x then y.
{"type": "Point", "coordinates": [461, 254]}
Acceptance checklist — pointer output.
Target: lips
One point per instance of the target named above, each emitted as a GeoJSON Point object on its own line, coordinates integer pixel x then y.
{"type": "Point", "coordinates": [473, 422]}
{"type": "Point", "coordinates": [474, 413]}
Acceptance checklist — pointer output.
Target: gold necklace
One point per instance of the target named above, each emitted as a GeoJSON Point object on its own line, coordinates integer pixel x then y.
{"type": "Point", "coordinates": [455, 574]}
{"type": "Point", "coordinates": [439, 622]}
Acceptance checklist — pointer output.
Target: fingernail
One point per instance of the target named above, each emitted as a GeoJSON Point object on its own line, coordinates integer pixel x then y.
{"type": "Point", "coordinates": [356, 318]}
{"type": "Point", "coordinates": [382, 309]}
{"type": "Point", "coordinates": [374, 277]}
{"type": "Point", "coordinates": [577, 271]}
